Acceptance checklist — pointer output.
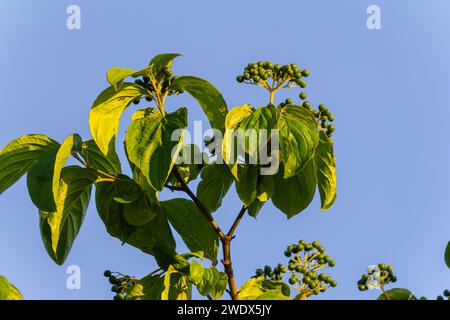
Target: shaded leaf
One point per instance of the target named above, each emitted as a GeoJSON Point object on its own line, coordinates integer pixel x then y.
{"type": "Point", "coordinates": [96, 159]}
{"type": "Point", "coordinates": [447, 255]}
{"type": "Point", "coordinates": [216, 180]}
{"type": "Point", "coordinates": [294, 194]}
{"type": "Point", "coordinates": [192, 226]}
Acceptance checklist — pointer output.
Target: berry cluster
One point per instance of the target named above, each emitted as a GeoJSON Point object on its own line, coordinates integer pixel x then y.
{"type": "Point", "coordinates": [289, 75]}
{"type": "Point", "coordinates": [121, 284]}
{"type": "Point", "coordinates": [377, 277]}
{"type": "Point", "coordinates": [446, 294]}
{"type": "Point", "coordinates": [306, 259]}
{"type": "Point", "coordinates": [163, 82]}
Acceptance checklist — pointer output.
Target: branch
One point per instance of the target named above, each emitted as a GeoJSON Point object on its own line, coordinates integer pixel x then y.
{"type": "Point", "coordinates": [199, 204]}
{"type": "Point", "coordinates": [233, 228]}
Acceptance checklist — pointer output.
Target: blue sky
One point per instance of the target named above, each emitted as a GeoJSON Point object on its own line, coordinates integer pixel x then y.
{"type": "Point", "coordinates": [387, 88]}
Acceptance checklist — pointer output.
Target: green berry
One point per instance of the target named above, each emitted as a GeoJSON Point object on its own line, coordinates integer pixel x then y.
{"type": "Point", "coordinates": [288, 101]}
{"type": "Point", "coordinates": [119, 296]}
{"type": "Point", "coordinates": [362, 287]}
{"type": "Point", "coordinates": [331, 117]}
{"type": "Point", "coordinates": [333, 283]}
{"type": "Point", "coordinates": [256, 78]}
{"type": "Point", "coordinates": [298, 268]}
{"type": "Point", "coordinates": [136, 101]}
{"type": "Point", "coordinates": [267, 270]}
{"type": "Point", "coordinates": [331, 129]}
{"type": "Point", "coordinates": [328, 113]}
{"type": "Point", "coordinates": [115, 288]}
{"type": "Point", "coordinates": [315, 243]}
{"type": "Point", "coordinates": [107, 273]}
{"type": "Point", "coordinates": [390, 268]}
{"type": "Point", "coordinates": [302, 84]}
{"type": "Point", "coordinates": [393, 278]}
{"type": "Point", "coordinates": [112, 280]}
{"type": "Point", "coordinates": [300, 247]}
{"type": "Point", "coordinates": [292, 280]}
{"type": "Point", "coordinates": [322, 107]}
{"type": "Point", "coordinates": [446, 293]}
{"type": "Point", "coordinates": [291, 266]}
{"type": "Point", "coordinates": [305, 73]}
{"type": "Point", "coordinates": [382, 266]}
{"type": "Point", "coordinates": [322, 276]}
{"type": "Point", "coordinates": [259, 272]}
{"type": "Point", "coordinates": [332, 263]}
{"type": "Point", "coordinates": [240, 79]}
{"type": "Point", "coordinates": [295, 249]}
{"type": "Point", "coordinates": [303, 95]}
{"type": "Point", "coordinates": [287, 253]}
{"type": "Point", "coordinates": [328, 279]}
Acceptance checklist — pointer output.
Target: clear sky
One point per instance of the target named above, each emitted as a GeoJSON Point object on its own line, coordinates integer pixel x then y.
{"type": "Point", "coordinates": [387, 88]}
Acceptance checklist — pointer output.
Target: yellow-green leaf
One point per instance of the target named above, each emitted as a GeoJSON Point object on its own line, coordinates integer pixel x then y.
{"type": "Point", "coordinates": [105, 113]}
{"type": "Point", "coordinates": [8, 291]}
{"type": "Point", "coordinates": [325, 164]}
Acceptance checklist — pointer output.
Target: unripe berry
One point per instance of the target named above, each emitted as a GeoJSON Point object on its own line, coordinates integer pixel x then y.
{"type": "Point", "coordinates": [240, 79]}
{"type": "Point", "coordinates": [305, 73]}
{"type": "Point", "coordinates": [331, 129]}
{"type": "Point", "coordinates": [287, 253]}
{"type": "Point", "coordinates": [333, 283]}
{"type": "Point", "coordinates": [302, 95]}
{"type": "Point", "coordinates": [288, 101]}
{"type": "Point", "coordinates": [302, 84]}
{"type": "Point", "coordinates": [107, 273]}
{"type": "Point", "coordinates": [292, 280]}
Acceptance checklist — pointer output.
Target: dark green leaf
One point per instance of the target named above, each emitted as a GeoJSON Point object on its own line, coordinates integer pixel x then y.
{"type": "Point", "coordinates": [209, 98]}
{"type": "Point", "coordinates": [294, 194]}
{"type": "Point", "coordinates": [216, 179]}
{"type": "Point", "coordinates": [246, 185]}
{"type": "Point", "coordinates": [192, 226]}
{"type": "Point", "coordinates": [447, 255]}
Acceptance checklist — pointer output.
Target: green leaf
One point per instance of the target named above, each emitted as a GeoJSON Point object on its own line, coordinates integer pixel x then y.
{"type": "Point", "coordinates": [325, 163]}
{"type": "Point", "coordinates": [94, 158]}
{"type": "Point", "coordinates": [153, 286]}
{"type": "Point", "coordinates": [263, 118]}
{"type": "Point", "coordinates": [261, 289]}
{"type": "Point", "coordinates": [161, 61]}
{"type": "Point", "coordinates": [396, 294]}
{"type": "Point", "coordinates": [246, 185]}
{"type": "Point", "coordinates": [216, 180]}
{"type": "Point", "coordinates": [209, 98]}
{"type": "Point", "coordinates": [447, 255]}
{"type": "Point", "coordinates": [294, 194]}
{"type": "Point", "coordinates": [208, 280]}
{"type": "Point", "coordinates": [115, 76]}
{"type": "Point", "coordinates": [105, 113]}
{"type": "Point", "coordinates": [111, 212]}
{"type": "Point", "coordinates": [8, 291]}
{"type": "Point", "coordinates": [189, 164]}
{"type": "Point", "coordinates": [230, 148]}
{"type": "Point", "coordinates": [18, 156]}
{"type": "Point", "coordinates": [192, 226]}
{"type": "Point", "coordinates": [140, 211]}
{"type": "Point", "coordinates": [149, 143]}
{"type": "Point", "coordinates": [176, 286]}
{"type": "Point", "coordinates": [59, 228]}
{"type": "Point", "coordinates": [154, 237]}
{"type": "Point", "coordinates": [298, 136]}
{"type": "Point", "coordinates": [44, 175]}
